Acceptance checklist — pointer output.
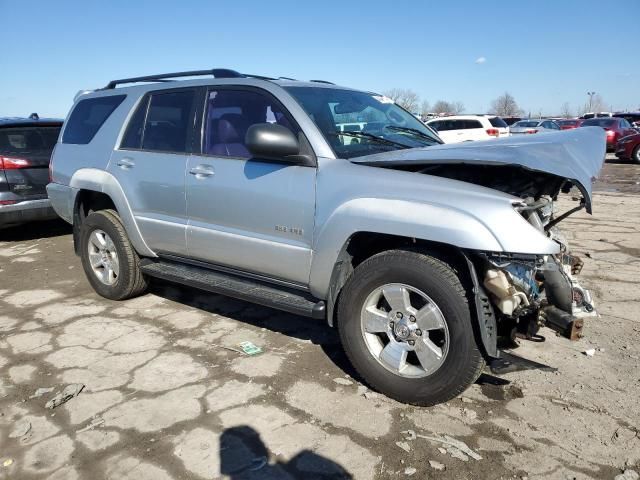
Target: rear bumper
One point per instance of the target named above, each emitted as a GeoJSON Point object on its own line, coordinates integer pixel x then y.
{"type": "Point", "coordinates": [62, 199]}
{"type": "Point", "coordinates": [26, 211]}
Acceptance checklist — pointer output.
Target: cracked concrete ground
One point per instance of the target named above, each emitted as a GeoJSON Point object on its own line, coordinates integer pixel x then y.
{"type": "Point", "coordinates": [166, 398]}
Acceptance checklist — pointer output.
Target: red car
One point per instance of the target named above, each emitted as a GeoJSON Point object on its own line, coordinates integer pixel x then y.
{"type": "Point", "coordinates": [569, 124]}
{"type": "Point", "coordinates": [616, 129]}
{"type": "Point", "coordinates": [628, 148]}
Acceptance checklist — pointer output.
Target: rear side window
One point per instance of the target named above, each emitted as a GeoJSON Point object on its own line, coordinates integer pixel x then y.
{"type": "Point", "coordinates": [469, 124]}
{"type": "Point", "coordinates": [133, 135]}
{"type": "Point", "coordinates": [497, 122]}
{"type": "Point", "coordinates": [87, 118]}
{"type": "Point", "coordinates": [169, 122]}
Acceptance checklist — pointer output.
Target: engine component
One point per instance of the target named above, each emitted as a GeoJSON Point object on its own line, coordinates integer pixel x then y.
{"type": "Point", "coordinates": [508, 299]}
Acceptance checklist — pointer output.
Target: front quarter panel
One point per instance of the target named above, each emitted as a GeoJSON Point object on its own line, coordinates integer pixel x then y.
{"type": "Point", "coordinates": [357, 198]}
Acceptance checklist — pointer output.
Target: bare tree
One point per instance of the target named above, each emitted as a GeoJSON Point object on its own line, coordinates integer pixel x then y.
{"type": "Point", "coordinates": [505, 106]}
{"type": "Point", "coordinates": [458, 107]}
{"type": "Point", "coordinates": [442, 106]}
{"type": "Point", "coordinates": [406, 98]}
{"type": "Point", "coordinates": [424, 108]}
{"type": "Point", "coordinates": [565, 111]}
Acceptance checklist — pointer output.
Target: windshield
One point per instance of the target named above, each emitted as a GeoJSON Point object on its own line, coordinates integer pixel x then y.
{"type": "Point", "coordinates": [358, 123]}
{"type": "Point", "coordinates": [599, 122]}
{"type": "Point", "coordinates": [526, 124]}
{"type": "Point", "coordinates": [565, 123]}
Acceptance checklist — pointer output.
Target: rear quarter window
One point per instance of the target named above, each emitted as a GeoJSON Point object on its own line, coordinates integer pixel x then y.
{"type": "Point", "coordinates": [497, 122]}
{"type": "Point", "coordinates": [87, 118]}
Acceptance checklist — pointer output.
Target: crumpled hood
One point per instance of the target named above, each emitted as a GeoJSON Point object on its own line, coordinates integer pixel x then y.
{"type": "Point", "coordinates": [576, 155]}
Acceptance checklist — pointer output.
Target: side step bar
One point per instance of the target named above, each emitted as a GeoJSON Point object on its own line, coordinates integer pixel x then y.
{"type": "Point", "coordinates": [230, 285]}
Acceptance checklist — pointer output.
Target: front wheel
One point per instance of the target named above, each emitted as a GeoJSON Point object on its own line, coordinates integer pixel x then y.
{"type": "Point", "coordinates": [405, 325]}
{"type": "Point", "coordinates": [635, 156]}
{"type": "Point", "coordinates": [109, 260]}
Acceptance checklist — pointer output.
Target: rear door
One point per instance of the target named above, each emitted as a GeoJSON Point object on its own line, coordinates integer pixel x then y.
{"type": "Point", "coordinates": [25, 152]}
{"type": "Point", "coordinates": [150, 166]}
{"type": "Point", "coordinates": [471, 129]}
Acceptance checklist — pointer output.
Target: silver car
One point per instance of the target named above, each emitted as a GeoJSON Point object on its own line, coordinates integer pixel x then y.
{"type": "Point", "coordinates": [331, 203]}
{"type": "Point", "coordinates": [534, 126]}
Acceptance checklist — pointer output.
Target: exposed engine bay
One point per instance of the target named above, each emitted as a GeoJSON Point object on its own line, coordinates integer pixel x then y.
{"type": "Point", "coordinates": [529, 291]}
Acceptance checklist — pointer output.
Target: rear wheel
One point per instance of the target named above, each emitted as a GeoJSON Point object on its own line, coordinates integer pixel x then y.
{"type": "Point", "coordinates": [405, 325]}
{"type": "Point", "coordinates": [635, 156]}
{"type": "Point", "coordinates": [108, 258]}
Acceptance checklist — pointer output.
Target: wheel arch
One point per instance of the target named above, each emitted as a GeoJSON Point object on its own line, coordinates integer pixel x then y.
{"type": "Point", "coordinates": [363, 245]}
{"type": "Point", "coordinates": [98, 188]}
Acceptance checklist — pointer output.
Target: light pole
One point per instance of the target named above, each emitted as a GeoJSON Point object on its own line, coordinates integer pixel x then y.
{"type": "Point", "coordinates": [591, 94]}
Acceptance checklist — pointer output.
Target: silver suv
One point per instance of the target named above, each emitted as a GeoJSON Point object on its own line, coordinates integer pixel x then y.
{"type": "Point", "coordinates": [330, 203]}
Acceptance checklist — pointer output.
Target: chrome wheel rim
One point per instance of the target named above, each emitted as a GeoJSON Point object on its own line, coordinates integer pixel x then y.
{"type": "Point", "coordinates": [103, 257]}
{"type": "Point", "coordinates": [404, 330]}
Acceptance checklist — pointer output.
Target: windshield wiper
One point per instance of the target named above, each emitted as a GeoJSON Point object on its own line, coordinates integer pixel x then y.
{"type": "Point", "coordinates": [370, 136]}
{"type": "Point", "coordinates": [415, 131]}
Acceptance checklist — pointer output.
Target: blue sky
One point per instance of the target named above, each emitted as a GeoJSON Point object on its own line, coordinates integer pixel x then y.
{"type": "Point", "coordinates": [544, 52]}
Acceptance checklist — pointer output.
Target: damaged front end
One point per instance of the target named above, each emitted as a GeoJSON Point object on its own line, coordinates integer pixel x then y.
{"type": "Point", "coordinates": [531, 291]}
{"type": "Point", "coordinates": [531, 282]}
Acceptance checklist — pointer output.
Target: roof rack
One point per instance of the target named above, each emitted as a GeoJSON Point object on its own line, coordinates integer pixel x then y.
{"type": "Point", "coordinates": [164, 77]}
{"type": "Point", "coordinates": [323, 81]}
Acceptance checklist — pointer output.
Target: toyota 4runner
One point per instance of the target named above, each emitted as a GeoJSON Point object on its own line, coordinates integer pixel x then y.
{"type": "Point", "coordinates": [421, 254]}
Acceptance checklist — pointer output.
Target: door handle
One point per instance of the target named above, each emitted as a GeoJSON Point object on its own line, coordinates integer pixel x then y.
{"type": "Point", "coordinates": [126, 163]}
{"type": "Point", "coordinates": [202, 171]}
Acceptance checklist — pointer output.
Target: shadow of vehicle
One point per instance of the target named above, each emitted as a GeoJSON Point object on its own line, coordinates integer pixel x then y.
{"type": "Point", "coordinates": [243, 455]}
{"type": "Point", "coordinates": [35, 230]}
{"type": "Point", "coordinates": [302, 328]}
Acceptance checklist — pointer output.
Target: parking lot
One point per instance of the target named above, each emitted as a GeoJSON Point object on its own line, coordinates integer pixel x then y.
{"type": "Point", "coordinates": [167, 393]}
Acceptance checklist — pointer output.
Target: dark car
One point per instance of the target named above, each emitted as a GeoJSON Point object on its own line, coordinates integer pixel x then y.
{"type": "Point", "coordinates": [26, 145]}
{"type": "Point", "coordinates": [616, 129]}
{"type": "Point", "coordinates": [569, 124]}
{"type": "Point", "coordinates": [511, 120]}
{"type": "Point", "coordinates": [628, 148]}
{"type": "Point", "coordinates": [632, 117]}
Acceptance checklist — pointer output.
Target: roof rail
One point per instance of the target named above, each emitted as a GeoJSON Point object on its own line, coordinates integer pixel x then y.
{"type": "Point", "coordinates": [322, 81]}
{"type": "Point", "coordinates": [163, 77]}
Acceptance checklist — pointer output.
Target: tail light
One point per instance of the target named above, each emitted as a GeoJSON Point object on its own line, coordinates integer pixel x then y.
{"type": "Point", "coordinates": [493, 132]}
{"type": "Point", "coordinates": [13, 163]}
{"type": "Point", "coordinates": [532, 131]}
{"type": "Point", "coordinates": [8, 202]}
{"type": "Point", "coordinates": [611, 133]}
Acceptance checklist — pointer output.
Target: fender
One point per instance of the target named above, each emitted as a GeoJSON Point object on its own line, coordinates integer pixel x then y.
{"type": "Point", "coordinates": [410, 219]}
{"type": "Point", "coordinates": [101, 181]}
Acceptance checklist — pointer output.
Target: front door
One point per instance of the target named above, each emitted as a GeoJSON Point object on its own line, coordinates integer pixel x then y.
{"type": "Point", "coordinates": [248, 213]}
{"type": "Point", "coordinates": [150, 166]}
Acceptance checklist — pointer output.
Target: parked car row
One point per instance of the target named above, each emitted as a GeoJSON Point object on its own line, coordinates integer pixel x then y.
{"type": "Point", "coordinates": [465, 128]}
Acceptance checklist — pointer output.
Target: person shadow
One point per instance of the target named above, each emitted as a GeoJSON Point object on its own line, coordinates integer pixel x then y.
{"type": "Point", "coordinates": [244, 456]}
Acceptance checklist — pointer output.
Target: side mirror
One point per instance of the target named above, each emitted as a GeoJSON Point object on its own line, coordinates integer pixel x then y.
{"type": "Point", "coordinates": [274, 142]}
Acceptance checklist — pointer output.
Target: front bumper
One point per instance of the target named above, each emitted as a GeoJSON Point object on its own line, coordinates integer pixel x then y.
{"type": "Point", "coordinates": [27, 211]}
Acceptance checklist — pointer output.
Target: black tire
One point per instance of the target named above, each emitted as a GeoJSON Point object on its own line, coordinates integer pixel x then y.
{"type": "Point", "coordinates": [635, 156]}
{"type": "Point", "coordinates": [130, 282]}
{"type": "Point", "coordinates": [464, 361]}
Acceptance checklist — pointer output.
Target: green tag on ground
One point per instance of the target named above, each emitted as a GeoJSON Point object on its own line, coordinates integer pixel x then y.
{"type": "Point", "coordinates": [250, 349]}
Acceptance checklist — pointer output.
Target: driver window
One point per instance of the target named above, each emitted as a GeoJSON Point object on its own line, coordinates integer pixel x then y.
{"type": "Point", "coordinates": [229, 115]}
